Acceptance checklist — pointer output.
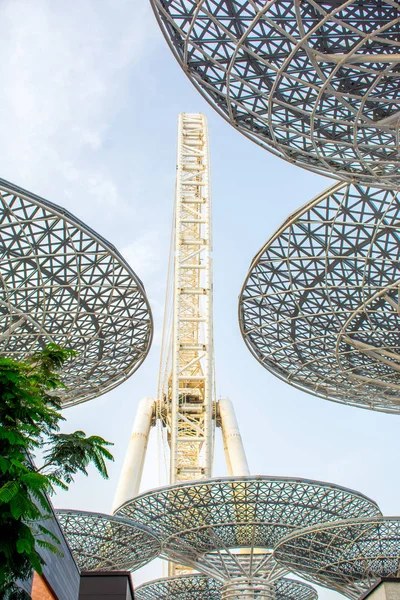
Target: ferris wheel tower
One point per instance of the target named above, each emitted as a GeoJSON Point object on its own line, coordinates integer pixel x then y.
{"type": "Point", "coordinates": [187, 401]}
{"type": "Point", "coordinates": [186, 410]}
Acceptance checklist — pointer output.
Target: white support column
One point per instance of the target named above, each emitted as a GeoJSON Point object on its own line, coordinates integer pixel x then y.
{"type": "Point", "coordinates": [131, 474]}
{"type": "Point", "coordinates": [234, 451]}
{"type": "Point", "coordinates": [226, 453]}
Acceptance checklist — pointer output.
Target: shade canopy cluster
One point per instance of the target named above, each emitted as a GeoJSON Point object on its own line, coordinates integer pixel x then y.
{"type": "Point", "coordinates": [243, 536]}
{"type": "Point", "coordinates": [195, 587]}
{"type": "Point", "coordinates": [63, 283]}
{"type": "Point", "coordinates": [314, 82]}
{"type": "Point", "coordinates": [101, 542]}
{"type": "Point", "coordinates": [228, 528]}
{"type": "Point", "coordinates": [320, 305]}
{"type": "Point", "coordinates": [347, 556]}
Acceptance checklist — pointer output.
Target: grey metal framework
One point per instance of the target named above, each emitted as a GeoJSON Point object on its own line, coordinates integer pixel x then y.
{"type": "Point", "coordinates": [289, 589]}
{"type": "Point", "coordinates": [313, 81]}
{"type": "Point", "coordinates": [345, 556]}
{"type": "Point", "coordinates": [61, 282]}
{"type": "Point", "coordinates": [200, 587]}
{"type": "Point", "coordinates": [320, 305]}
{"type": "Point", "coordinates": [184, 587]}
{"type": "Point", "coordinates": [250, 586]}
{"type": "Point", "coordinates": [203, 525]}
{"type": "Point", "coordinates": [102, 542]}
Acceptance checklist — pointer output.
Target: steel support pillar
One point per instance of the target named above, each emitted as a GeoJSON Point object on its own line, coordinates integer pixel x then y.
{"type": "Point", "coordinates": [131, 474]}
{"type": "Point", "coordinates": [235, 455]}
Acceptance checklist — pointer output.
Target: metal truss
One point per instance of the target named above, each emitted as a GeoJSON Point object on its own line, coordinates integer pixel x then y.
{"type": "Point", "coordinates": [253, 588]}
{"type": "Point", "coordinates": [61, 282]}
{"type": "Point", "coordinates": [203, 525]}
{"type": "Point", "coordinates": [187, 395]}
{"type": "Point", "coordinates": [200, 587]}
{"type": "Point", "coordinates": [313, 81]}
{"type": "Point", "coordinates": [289, 589]}
{"type": "Point", "coordinates": [103, 542]}
{"type": "Point", "coordinates": [244, 565]}
{"type": "Point", "coordinates": [345, 556]}
{"type": "Point", "coordinates": [320, 305]}
{"type": "Point", "coordinates": [185, 587]}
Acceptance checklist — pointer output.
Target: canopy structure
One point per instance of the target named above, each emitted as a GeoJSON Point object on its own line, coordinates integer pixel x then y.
{"type": "Point", "coordinates": [185, 587]}
{"type": "Point", "coordinates": [315, 82]}
{"type": "Point", "coordinates": [207, 525]}
{"type": "Point", "coordinates": [63, 283]}
{"type": "Point", "coordinates": [102, 542]}
{"type": "Point", "coordinates": [200, 587]}
{"type": "Point", "coordinates": [345, 556]}
{"type": "Point", "coordinates": [320, 305]}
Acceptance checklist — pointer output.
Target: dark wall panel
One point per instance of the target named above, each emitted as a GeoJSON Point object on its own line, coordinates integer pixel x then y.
{"type": "Point", "coordinates": [61, 573]}
{"type": "Point", "coordinates": [106, 586]}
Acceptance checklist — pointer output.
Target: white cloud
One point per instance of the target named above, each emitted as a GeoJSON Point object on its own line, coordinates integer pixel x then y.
{"type": "Point", "coordinates": [143, 254]}
{"type": "Point", "coordinates": [64, 68]}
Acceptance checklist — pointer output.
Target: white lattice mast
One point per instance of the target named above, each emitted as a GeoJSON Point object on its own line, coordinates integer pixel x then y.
{"type": "Point", "coordinates": [185, 407]}
{"type": "Point", "coordinates": [189, 395]}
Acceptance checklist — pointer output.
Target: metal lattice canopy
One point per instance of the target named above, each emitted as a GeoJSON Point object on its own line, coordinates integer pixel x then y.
{"type": "Point", "coordinates": [203, 525]}
{"type": "Point", "coordinates": [185, 587]}
{"type": "Point", "coordinates": [199, 587]}
{"type": "Point", "coordinates": [61, 282]}
{"type": "Point", "coordinates": [257, 588]}
{"type": "Point", "coordinates": [314, 81]}
{"type": "Point", "coordinates": [320, 305]}
{"type": "Point", "coordinates": [102, 542]}
{"type": "Point", "coordinates": [345, 556]}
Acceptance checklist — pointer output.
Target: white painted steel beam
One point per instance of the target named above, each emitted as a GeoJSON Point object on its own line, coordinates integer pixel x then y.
{"type": "Point", "coordinates": [189, 397]}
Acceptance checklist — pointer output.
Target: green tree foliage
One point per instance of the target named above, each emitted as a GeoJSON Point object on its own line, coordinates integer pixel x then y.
{"type": "Point", "coordinates": [29, 420]}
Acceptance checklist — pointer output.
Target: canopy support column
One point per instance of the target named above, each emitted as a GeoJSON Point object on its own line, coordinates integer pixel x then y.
{"type": "Point", "coordinates": [131, 474]}
{"type": "Point", "coordinates": [235, 455]}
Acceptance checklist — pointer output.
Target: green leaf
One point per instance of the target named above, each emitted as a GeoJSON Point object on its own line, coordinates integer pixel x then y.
{"type": "Point", "coordinates": [5, 547]}
{"type": "Point", "coordinates": [41, 498]}
{"type": "Point", "coordinates": [36, 562]}
{"type": "Point", "coordinates": [19, 464]}
{"type": "Point", "coordinates": [23, 506]}
{"type": "Point", "coordinates": [8, 491]}
{"type": "Point", "coordinates": [24, 545]}
{"type": "Point", "coordinates": [35, 481]}
{"type": "Point", "coordinates": [29, 419]}
{"type": "Point", "coordinates": [5, 464]}
{"type": "Point", "coordinates": [49, 546]}
{"type": "Point", "coordinates": [46, 531]}
{"type": "Point", "coordinates": [72, 453]}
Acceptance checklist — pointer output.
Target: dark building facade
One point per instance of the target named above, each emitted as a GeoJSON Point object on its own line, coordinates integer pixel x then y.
{"type": "Point", "coordinates": [62, 580]}
{"type": "Point", "coordinates": [61, 575]}
{"type": "Point", "coordinates": [107, 585]}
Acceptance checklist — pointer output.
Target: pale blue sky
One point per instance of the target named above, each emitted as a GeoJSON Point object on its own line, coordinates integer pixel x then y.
{"type": "Point", "coordinates": [89, 103]}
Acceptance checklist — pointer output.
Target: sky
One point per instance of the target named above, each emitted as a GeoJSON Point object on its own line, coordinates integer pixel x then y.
{"type": "Point", "coordinates": [89, 104]}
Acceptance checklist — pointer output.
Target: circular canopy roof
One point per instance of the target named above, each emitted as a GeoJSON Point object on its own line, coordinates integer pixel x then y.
{"type": "Point", "coordinates": [284, 589]}
{"type": "Point", "coordinates": [320, 305]}
{"type": "Point", "coordinates": [248, 564]}
{"type": "Point", "coordinates": [199, 587]}
{"type": "Point", "coordinates": [289, 589]}
{"type": "Point", "coordinates": [345, 556]}
{"type": "Point", "coordinates": [60, 282]}
{"type": "Point", "coordinates": [201, 524]}
{"type": "Point", "coordinates": [315, 82]}
{"type": "Point", "coordinates": [185, 587]}
{"type": "Point", "coordinates": [106, 543]}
